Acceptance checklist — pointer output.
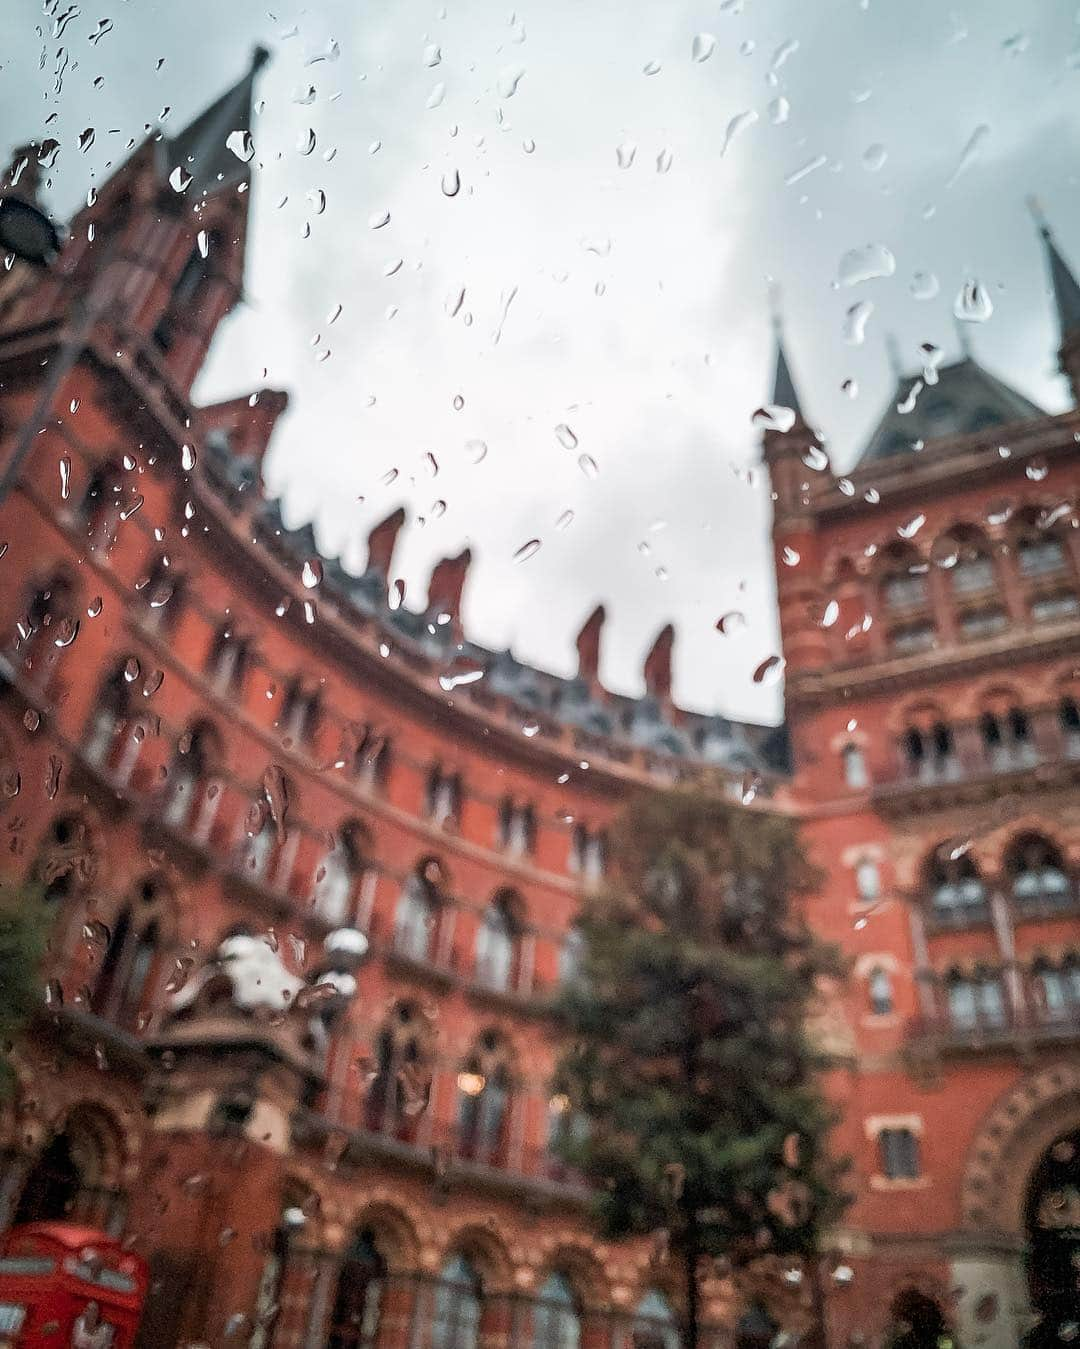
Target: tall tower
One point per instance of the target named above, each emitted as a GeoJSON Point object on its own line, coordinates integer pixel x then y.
{"type": "Point", "coordinates": [934, 715]}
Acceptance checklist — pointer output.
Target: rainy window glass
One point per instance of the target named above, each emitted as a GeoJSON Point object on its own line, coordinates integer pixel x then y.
{"type": "Point", "coordinates": [539, 674]}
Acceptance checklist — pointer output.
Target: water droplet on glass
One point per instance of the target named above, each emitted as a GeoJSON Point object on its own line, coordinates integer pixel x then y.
{"type": "Point", "coordinates": [179, 179]}
{"type": "Point", "coordinates": [436, 97]}
{"type": "Point", "coordinates": [65, 476]}
{"type": "Point", "coordinates": [624, 154]}
{"type": "Point", "coordinates": [790, 557]}
{"type": "Point", "coordinates": [850, 387]}
{"type": "Point", "coordinates": [865, 264]}
{"type": "Point", "coordinates": [305, 142]}
{"type": "Point", "coordinates": [528, 145]}
{"type": "Point", "coordinates": [910, 528]}
{"type": "Point", "coordinates": [66, 633]}
{"type": "Point", "coordinates": [86, 139]}
{"type": "Point", "coordinates": [855, 321]}
{"type": "Point", "coordinates": [476, 450]}
{"type": "Point", "coordinates": [805, 170]}
{"type": "Point", "coordinates": [1037, 470]}
{"type": "Point", "coordinates": [241, 144]}
{"type": "Point", "coordinates": [311, 573]}
{"type": "Point", "coordinates": [651, 68]}
{"type": "Point", "coordinates": [588, 466]}
{"type": "Point", "coordinates": [663, 160]}
{"type": "Point", "coordinates": [924, 285]}
{"type": "Point", "coordinates": [874, 157]}
{"type": "Point", "coordinates": [566, 437]}
{"type": "Point", "coordinates": [378, 219]}
{"type": "Point", "coordinates": [527, 550]}
{"type": "Point", "coordinates": [779, 110]}
{"type": "Point", "coordinates": [451, 183]}
{"type": "Point", "coordinates": [432, 55]}
{"type": "Point", "coordinates": [773, 417]}
{"type": "Point", "coordinates": [814, 457]}
{"type": "Point", "coordinates": [187, 457]}
{"type": "Point", "coordinates": [735, 127]}
{"type": "Point", "coordinates": [565, 520]}
{"type": "Point", "coordinates": [769, 671]}
{"type": "Point", "coordinates": [702, 47]}
{"type": "Point", "coordinates": [973, 304]}
{"type": "Point", "coordinates": [733, 621]}
{"type": "Point", "coordinates": [153, 682]}
{"type": "Point", "coordinates": [459, 402]}
{"type": "Point", "coordinates": [969, 153]}
{"type": "Point", "coordinates": [509, 78]}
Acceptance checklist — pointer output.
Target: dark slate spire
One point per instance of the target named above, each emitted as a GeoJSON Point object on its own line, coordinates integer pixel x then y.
{"type": "Point", "coordinates": [201, 149]}
{"type": "Point", "coordinates": [1066, 287]}
{"type": "Point", "coordinates": [783, 390]}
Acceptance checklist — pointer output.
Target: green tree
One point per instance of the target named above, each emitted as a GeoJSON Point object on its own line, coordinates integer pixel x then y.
{"type": "Point", "coordinates": [24, 925]}
{"type": "Point", "coordinates": [688, 1057]}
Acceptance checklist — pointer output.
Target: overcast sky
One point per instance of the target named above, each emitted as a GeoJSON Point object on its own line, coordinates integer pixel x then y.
{"type": "Point", "coordinates": [621, 208]}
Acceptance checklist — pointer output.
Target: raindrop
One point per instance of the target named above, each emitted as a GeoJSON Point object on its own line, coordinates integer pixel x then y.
{"type": "Point", "coordinates": [378, 219]}
{"type": "Point", "coordinates": [311, 573]}
{"type": "Point", "coordinates": [779, 110]}
{"type": "Point", "coordinates": [663, 160]}
{"type": "Point", "coordinates": [850, 387]}
{"type": "Point", "coordinates": [735, 127]}
{"type": "Point", "coordinates": [305, 97]}
{"type": "Point", "coordinates": [624, 154]}
{"type": "Point", "coordinates": [86, 139]}
{"type": "Point", "coordinates": [459, 402]}
{"type": "Point", "coordinates": [394, 265]}
{"type": "Point", "coordinates": [187, 457]}
{"type": "Point", "coordinates": [815, 458]}
{"type": "Point", "coordinates": [31, 719]}
{"type": "Point", "coordinates": [65, 476]}
{"type": "Point", "coordinates": [651, 68]}
{"type": "Point", "coordinates": [131, 670]}
{"type": "Point", "coordinates": [451, 183]}
{"type": "Point", "coordinates": [432, 55]}
{"type": "Point", "coordinates": [566, 437]}
{"type": "Point", "coordinates": [305, 142]}
{"type": "Point", "coordinates": [317, 197]}
{"type": "Point", "coordinates": [435, 98]}
{"type": "Point", "coordinates": [202, 242]}
{"type": "Point", "coordinates": [910, 528]}
{"type": "Point", "coordinates": [773, 417]}
{"type": "Point", "coordinates": [768, 672]}
{"type": "Point", "coordinates": [855, 321]}
{"type": "Point", "coordinates": [588, 466]}
{"type": "Point", "coordinates": [509, 78]}
{"type": "Point", "coordinates": [786, 49]}
{"type": "Point", "coordinates": [1037, 470]}
{"type": "Point", "coordinates": [702, 47]}
{"type": "Point", "coordinates": [969, 153]}
{"type": "Point", "coordinates": [66, 632]}
{"type": "Point", "coordinates": [924, 285]}
{"type": "Point", "coordinates": [449, 682]}
{"type": "Point", "coordinates": [476, 450]}
{"type": "Point", "coordinates": [874, 157]}
{"type": "Point", "coordinates": [790, 557]}
{"type": "Point", "coordinates": [153, 682]}
{"type": "Point", "coordinates": [805, 170]}
{"type": "Point", "coordinates": [829, 614]}
{"type": "Point", "coordinates": [241, 144]}
{"type": "Point", "coordinates": [179, 179]}
{"type": "Point", "coordinates": [907, 404]}
{"type": "Point", "coordinates": [527, 550]}
{"type": "Point", "coordinates": [130, 463]}
{"type": "Point", "coordinates": [733, 621]}
{"type": "Point", "coordinates": [973, 304]}
{"type": "Point", "coordinates": [565, 520]}
{"type": "Point", "coordinates": [528, 145]}
{"type": "Point", "coordinates": [866, 264]}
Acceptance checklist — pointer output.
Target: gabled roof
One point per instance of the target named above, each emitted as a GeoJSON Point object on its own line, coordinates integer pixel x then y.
{"type": "Point", "coordinates": [966, 398]}
{"type": "Point", "coordinates": [201, 149]}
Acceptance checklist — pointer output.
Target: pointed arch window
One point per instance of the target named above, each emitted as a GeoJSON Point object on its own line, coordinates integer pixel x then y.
{"type": "Point", "coordinates": [496, 944]}
{"type": "Point", "coordinates": [1007, 739]}
{"type": "Point", "coordinates": [957, 892]}
{"type": "Point", "coordinates": [260, 844]}
{"type": "Point", "coordinates": [880, 991]}
{"type": "Point", "coordinates": [557, 1317]}
{"type": "Point", "coordinates": [484, 1093]}
{"type": "Point", "coordinates": [191, 800]}
{"type": "Point", "coordinates": [975, 1001]}
{"type": "Point", "coordinates": [1037, 872]}
{"type": "Point", "coordinates": [443, 797]}
{"type": "Point", "coordinates": [228, 660]}
{"type": "Point", "coordinates": [655, 1326]}
{"type": "Point", "coordinates": [416, 919]}
{"type": "Point", "coordinates": [1040, 555]}
{"type": "Point", "coordinates": [459, 1297]}
{"type": "Point", "coordinates": [361, 1287]}
{"type": "Point", "coordinates": [338, 874]}
{"type": "Point", "coordinates": [110, 742]}
{"type": "Point", "coordinates": [100, 508]}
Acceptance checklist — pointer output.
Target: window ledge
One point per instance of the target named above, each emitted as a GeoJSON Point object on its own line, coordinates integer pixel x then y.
{"type": "Point", "coordinates": [890, 1183]}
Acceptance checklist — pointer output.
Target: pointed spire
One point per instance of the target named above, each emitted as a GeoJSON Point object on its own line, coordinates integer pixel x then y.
{"type": "Point", "coordinates": [1066, 287]}
{"type": "Point", "coordinates": [588, 645]}
{"type": "Point", "coordinates": [204, 148]}
{"type": "Point", "coordinates": [783, 390]}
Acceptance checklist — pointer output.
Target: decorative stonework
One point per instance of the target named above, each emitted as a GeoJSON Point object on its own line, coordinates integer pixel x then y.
{"type": "Point", "coordinates": [1012, 1138]}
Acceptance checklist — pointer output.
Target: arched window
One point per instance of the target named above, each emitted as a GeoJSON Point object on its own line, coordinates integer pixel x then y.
{"type": "Point", "coordinates": [496, 944]}
{"type": "Point", "coordinates": [416, 919]}
{"type": "Point", "coordinates": [1036, 870]}
{"type": "Point", "coordinates": [880, 989]}
{"type": "Point", "coordinates": [957, 892]}
{"type": "Point", "coordinates": [916, 1321]}
{"type": "Point", "coordinates": [443, 797]}
{"type": "Point", "coordinates": [458, 1305]}
{"type": "Point", "coordinates": [354, 1323]}
{"type": "Point", "coordinates": [930, 753]}
{"type": "Point", "coordinates": [1069, 721]}
{"type": "Point", "coordinates": [868, 880]}
{"type": "Point", "coordinates": [571, 955]}
{"type": "Point", "coordinates": [227, 660]}
{"type": "Point", "coordinates": [191, 801]}
{"type": "Point", "coordinates": [337, 874]}
{"type": "Point", "coordinates": [1040, 555]}
{"type": "Point", "coordinates": [73, 1179]}
{"type": "Point", "coordinates": [484, 1086]}
{"type": "Point", "coordinates": [108, 742]}
{"type": "Point", "coordinates": [101, 506]}
{"type": "Point", "coordinates": [260, 844]}
{"type": "Point", "coordinates": [517, 828]}
{"type": "Point", "coordinates": [66, 865]}
{"type": "Point", "coordinates": [1057, 988]}
{"type": "Point", "coordinates": [1007, 739]}
{"type": "Point", "coordinates": [854, 763]}
{"type": "Point", "coordinates": [588, 854]}
{"type": "Point", "coordinates": [404, 1055]}
{"type": "Point", "coordinates": [187, 295]}
{"type": "Point", "coordinates": [126, 972]}
{"type": "Point", "coordinates": [557, 1318]}
{"type": "Point", "coordinates": [976, 1001]}
{"type": "Point", "coordinates": [655, 1326]}
{"type": "Point", "coordinates": [299, 715]}
{"type": "Point", "coordinates": [973, 571]}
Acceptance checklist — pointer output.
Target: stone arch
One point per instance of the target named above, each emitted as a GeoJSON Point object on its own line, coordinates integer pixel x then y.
{"type": "Point", "coordinates": [1012, 1138]}
{"type": "Point", "coordinates": [566, 1255]}
{"type": "Point", "coordinates": [487, 1250]}
{"type": "Point", "coordinates": [394, 1234]}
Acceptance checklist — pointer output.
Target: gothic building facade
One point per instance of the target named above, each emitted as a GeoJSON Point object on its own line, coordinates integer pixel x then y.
{"type": "Point", "coordinates": [312, 859]}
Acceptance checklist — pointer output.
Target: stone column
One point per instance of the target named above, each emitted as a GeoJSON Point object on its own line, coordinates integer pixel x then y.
{"type": "Point", "coordinates": [1003, 930]}
{"type": "Point", "coordinates": [924, 976]}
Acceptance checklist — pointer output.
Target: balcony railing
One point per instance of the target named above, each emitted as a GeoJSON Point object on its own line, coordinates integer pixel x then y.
{"type": "Point", "coordinates": [968, 755]}
{"type": "Point", "coordinates": [1008, 1028]}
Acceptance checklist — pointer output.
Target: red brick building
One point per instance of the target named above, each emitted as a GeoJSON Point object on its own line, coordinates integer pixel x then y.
{"type": "Point", "coordinates": [315, 858]}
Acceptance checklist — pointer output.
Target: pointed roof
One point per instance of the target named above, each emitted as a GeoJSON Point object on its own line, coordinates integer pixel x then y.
{"type": "Point", "coordinates": [201, 149]}
{"type": "Point", "coordinates": [965, 399]}
{"type": "Point", "coordinates": [1066, 287]}
{"type": "Point", "coordinates": [783, 390]}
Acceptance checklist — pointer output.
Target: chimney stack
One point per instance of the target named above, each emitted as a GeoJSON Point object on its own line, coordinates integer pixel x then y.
{"type": "Point", "coordinates": [445, 587]}
{"type": "Point", "coordinates": [381, 542]}
{"type": "Point", "coordinates": [658, 665]}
